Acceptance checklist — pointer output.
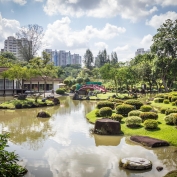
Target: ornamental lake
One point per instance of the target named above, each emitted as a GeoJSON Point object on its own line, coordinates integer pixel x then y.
{"type": "Point", "coordinates": [62, 146]}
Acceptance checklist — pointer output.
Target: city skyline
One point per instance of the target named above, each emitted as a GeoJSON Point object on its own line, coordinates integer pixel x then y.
{"type": "Point", "coordinates": [76, 25]}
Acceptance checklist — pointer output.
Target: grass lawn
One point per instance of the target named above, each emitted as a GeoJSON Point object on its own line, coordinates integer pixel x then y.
{"type": "Point", "coordinates": [164, 132]}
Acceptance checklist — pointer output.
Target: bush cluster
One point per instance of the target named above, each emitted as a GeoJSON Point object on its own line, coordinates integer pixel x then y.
{"type": "Point", "coordinates": [102, 104]}
{"type": "Point", "coordinates": [117, 117]}
{"type": "Point", "coordinates": [171, 119]}
{"type": "Point", "coordinates": [133, 121]}
{"type": "Point", "coordinates": [134, 113]}
{"type": "Point", "coordinates": [145, 108]}
{"type": "Point", "coordinates": [148, 115]}
{"type": "Point", "coordinates": [169, 111]}
{"type": "Point", "coordinates": [105, 112]}
{"type": "Point", "coordinates": [158, 100]}
{"type": "Point", "coordinates": [150, 124]}
{"type": "Point", "coordinates": [174, 98]}
{"type": "Point", "coordinates": [166, 101]}
{"type": "Point", "coordinates": [60, 91]}
{"type": "Point", "coordinates": [162, 110]}
{"type": "Point", "coordinates": [124, 109]}
{"type": "Point", "coordinates": [135, 103]}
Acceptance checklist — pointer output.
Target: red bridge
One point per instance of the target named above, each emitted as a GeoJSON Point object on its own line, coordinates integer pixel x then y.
{"type": "Point", "coordinates": [93, 87]}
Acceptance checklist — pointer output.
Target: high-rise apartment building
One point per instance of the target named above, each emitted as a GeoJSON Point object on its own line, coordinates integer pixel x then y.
{"type": "Point", "coordinates": [11, 44]}
{"type": "Point", "coordinates": [63, 58]}
{"type": "Point", "coordinates": [141, 51]}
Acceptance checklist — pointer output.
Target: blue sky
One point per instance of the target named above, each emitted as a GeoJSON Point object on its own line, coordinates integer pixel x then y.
{"type": "Point", "coordinates": [76, 25]}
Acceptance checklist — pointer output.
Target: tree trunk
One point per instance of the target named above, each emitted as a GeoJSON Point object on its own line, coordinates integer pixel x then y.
{"type": "Point", "coordinates": [165, 84]}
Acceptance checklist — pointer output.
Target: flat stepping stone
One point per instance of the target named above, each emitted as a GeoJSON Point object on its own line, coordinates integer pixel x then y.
{"type": "Point", "coordinates": [148, 141]}
{"type": "Point", "coordinates": [135, 163]}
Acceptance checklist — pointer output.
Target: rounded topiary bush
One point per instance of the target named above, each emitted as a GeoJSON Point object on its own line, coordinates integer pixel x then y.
{"type": "Point", "coordinates": [148, 115]}
{"type": "Point", "coordinates": [166, 101]}
{"type": "Point", "coordinates": [60, 91]}
{"type": "Point", "coordinates": [105, 112]}
{"type": "Point", "coordinates": [158, 100]}
{"type": "Point", "coordinates": [97, 113]}
{"type": "Point", "coordinates": [171, 118]}
{"type": "Point", "coordinates": [174, 98]}
{"type": "Point", "coordinates": [134, 113]}
{"type": "Point", "coordinates": [150, 124]}
{"type": "Point", "coordinates": [169, 111]}
{"type": "Point", "coordinates": [160, 96]}
{"type": "Point", "coordinates": [162, 110]}
{"type": "Point", "coordinates": [124, 109]}
{"type": "Point", "coordinates": [102, 104]}
{"type": "Point", "coordinates": [175, 120]}
{"type": "Point", "coordinates": [117, 117]}
{"type": "Point", "coordinates": [133, 121]}
{"type": "Point", "coordinates": [145, 108]}
{"type": "Point", "coordinates": [135, 103]}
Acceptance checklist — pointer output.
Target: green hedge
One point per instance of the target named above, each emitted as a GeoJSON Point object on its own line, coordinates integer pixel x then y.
{"type": "Point", "coordinates": [148, 115]}
{"type": "Point", "coordinates": [166, 101]}
{"type": "Point", "coordinates": [134, 113]}
{"type": "Point", "coordinates": [60, 91]}
{"type": "Point", "coordinates": [169, 111]}
{"type": "Point", "coordinates": [162, 110]}
{"type": "Point", "coordinates": [158, 100]}
{"type": "Point", "coordinates": [102, 104]}
{"type": "Point", "coordinates": [124, 109]}
{"type": "Point", "coordinates": [117, 117]}
{"type": "Point", "coordinates": [135, 103]}
{"type": "Point", "coordinates": [150, 124]}
{"type": "Point", "coordinates": [171, 119]}
{"type": "Point", "coordinates": [133, 121]}
{"type": "Point", "coordinates": [145, 108]}
{"type": "Point", "coordinates": [174, 98]}
{"type": "Point", "coordinates": [105, 112]}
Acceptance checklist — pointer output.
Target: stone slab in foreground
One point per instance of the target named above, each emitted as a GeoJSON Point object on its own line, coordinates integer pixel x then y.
{"type": "Point", "coordinates": [148, 141]}
{"type": "Point", "coordinates": [135, 163]}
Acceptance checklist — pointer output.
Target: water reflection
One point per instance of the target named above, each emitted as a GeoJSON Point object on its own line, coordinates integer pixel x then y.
{"type": "Point", "coordinates": [62, 145]}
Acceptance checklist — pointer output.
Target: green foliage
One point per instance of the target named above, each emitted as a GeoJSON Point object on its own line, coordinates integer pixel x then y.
{"type": "Point", "coordinates": [163, 110]}
{"type": "Point", "coordinates": [158, 100]}
{"type": "Point", "coordinates": [105, 112]}
{"type": "Point", "coordinates": [166, 101]}
{"type": "Point", "coordinates": [97, 113]}
{"type": "Point", "coordinates": [145, 108]}
{"type": "Point", "coordinates": [171, 174]}
{"type": "Point", "coordinates": [117, 117]}
{"type": "Point", "coordinates": [60, 91]}
{"type": "Point", "coordinates": [133, 121]}
{"type": "Point", "coordinates": [105, 104]}
{"type": "Point", "coordinates": [171, 119]}
{"type": "Point", "coordinates": [148, 115]}
{"type": "Point", "coordinates": [174, 98]}
{"type": "Point", "coordinates": [134, 113]}
{"type": "Point", "coordinates": [150, 124]}
{"type": "Point", "coordinates": [124, 109]}
{"type": "Point", "coordinates": [169, 111]}
{"type": "Point", "coordinates": [8, 160]}
{"type": "Point", "coordinates": [135, 103]}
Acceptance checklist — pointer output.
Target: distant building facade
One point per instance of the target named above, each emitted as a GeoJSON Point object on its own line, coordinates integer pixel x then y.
{"type": "Point", "coordinates": [141, 51]}
{"type": "Point", "coordinates": [11, 44]}
{"type": "Point", "coordinates": [63, 58]}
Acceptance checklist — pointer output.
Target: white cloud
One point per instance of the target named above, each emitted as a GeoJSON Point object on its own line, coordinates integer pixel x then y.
{"type": "Point", "coordinates": [20, 2]}
{"type": "Point", "coordinates": [101, 45]}
{"type": "Point", "coordinates": [59, 34]}
{"type": "Point", "coordinates": [7, 28]}
{"type": "Point", "coordinates": [133, 10]}
{"type": "Point", "coordinates": [158, 20]}
{"type": "Point", "coordinates": [123, 48]}
{"type": "Point", "coordinates": [147, 41]}
{"type": "Point", "coordinates": [166, 2]}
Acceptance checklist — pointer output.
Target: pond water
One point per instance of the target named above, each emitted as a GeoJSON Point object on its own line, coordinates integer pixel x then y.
{"type": "Point", "coordinates": [63, 146]}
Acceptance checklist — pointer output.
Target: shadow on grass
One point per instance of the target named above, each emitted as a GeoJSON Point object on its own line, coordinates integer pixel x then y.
{"type": "Point", "coordinates": [154, 130]}
{"type": "Point", "coordinates": [137, 127]}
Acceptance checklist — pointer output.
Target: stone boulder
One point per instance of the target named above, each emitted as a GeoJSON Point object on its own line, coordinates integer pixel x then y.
{"type": "Point", "coordinates": [43, 114]}
{"type": "Point", "coordinates": [107, 127]}
{"type": "Point", "coordinates": [76, 96]}
{"type": "Point", "coordinates": [148, 141]}
{"type": "Point", "coordinates": [135, 163]}
{"type": "Point", "coordinates": [22, 97]}
{"type": "Point", "coordinates": [56, 101]}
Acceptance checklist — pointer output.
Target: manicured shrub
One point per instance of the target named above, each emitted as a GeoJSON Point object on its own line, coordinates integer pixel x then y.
{"type": "Point", "coordinates": [160, 96]}
{"type": "Point", "coordinates": [166, 101]}
{"type": "Point", "coordinates": [97, 113]}
{"type": "Point", "coordinates": [150, 124]}
{"type": "Point", "coordinates": [124, 109]}
{"type": "Point", "coordinates": [60, 91]}
{"type": "Point", "coordinates": [169, 111]}
{"type": "Point", "coordinates": [117, 117]}
{"type": "Point", "coordinates": [169, 118]}
{"type": "Point", "coordinates": [173, 103]}
{"type": "Point", "coordinates": [145, 108]}
{"type": "Point", "coordinates": [102, 104]}
{"type": "Point", "coordinates": [133, 121]}
{"type": "Point", "coordinates": [162, 110]}
{"type": "Point", "coordinates": [135, 103]}
{"type": "Point", "coordinates": [174, 98]}
{"type": "Point", "coordinates": [169, 97]}
{"type": "Point", "coordinates": [105, 112]}
{"type": "Point", "coordinates": [175, 120]}
{"type": "Point", "coordinates": [148, 115]}
{"type": "Point", "coordinates": [134, 113]}
{"type": "Point", "coordinates": [158, 100]}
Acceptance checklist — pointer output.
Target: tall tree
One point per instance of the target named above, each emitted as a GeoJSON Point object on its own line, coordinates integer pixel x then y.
{"type": "Point", "coordinates": [114, 58]}
{"type": "Point", "coordinates": [88, 59]}
{"type": "Point", "coordinates": [165, 47]}
{"type": "Point", "coordinates": [8, 55]}
{"type": "Point", "coordinates": [30, 40]}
